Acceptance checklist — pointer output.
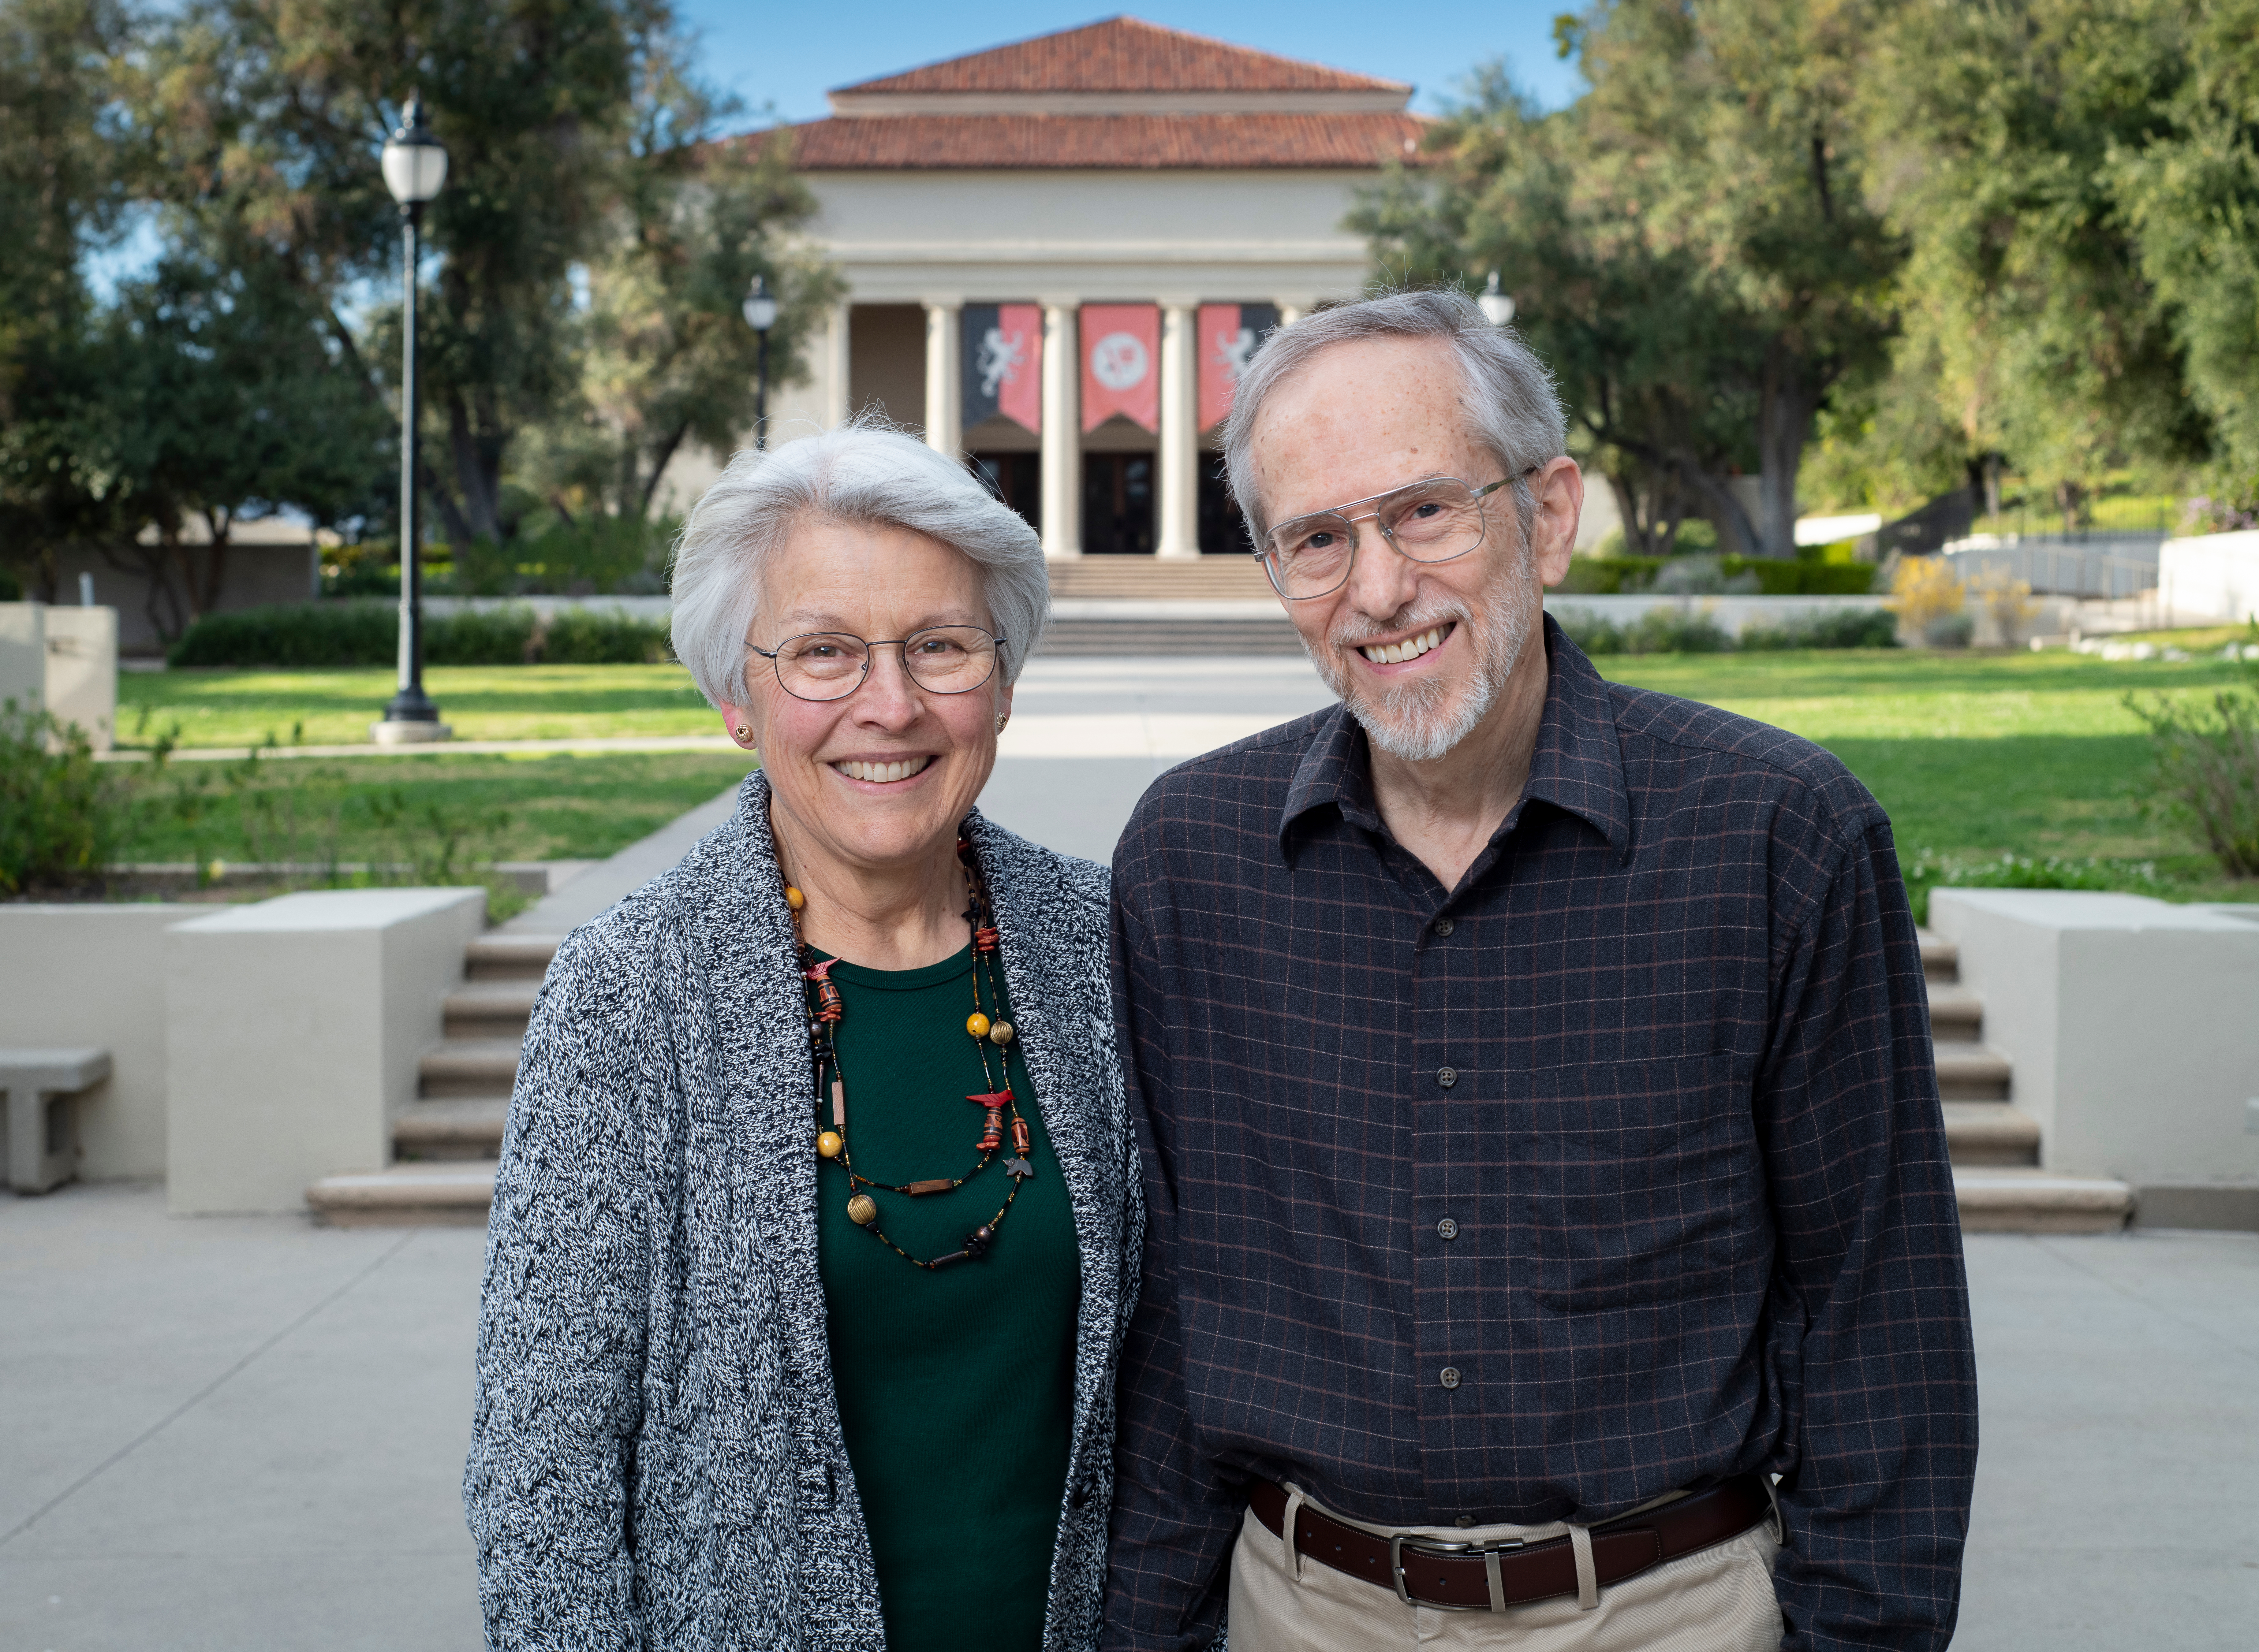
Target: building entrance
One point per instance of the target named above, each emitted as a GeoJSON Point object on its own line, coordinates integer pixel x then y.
{"type": "Point", "coordinates": [1222, 529]}
{"type": "Point", "coordinates": [1117, 504]}
{"type": "Point", "coordinates": [1017, 479]}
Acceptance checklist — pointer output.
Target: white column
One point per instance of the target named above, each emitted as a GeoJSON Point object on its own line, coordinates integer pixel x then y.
{"type": "Point", "coordinates": [1288, 313]}
{"type": "Point", "coordinates": [837, 390]}
{"type": "Point", "coordinates": [1062, 430]}
{"type": "Point", "coordinates": [945, 386]}
{"type": "Point", "coordinates": [1179, 435]}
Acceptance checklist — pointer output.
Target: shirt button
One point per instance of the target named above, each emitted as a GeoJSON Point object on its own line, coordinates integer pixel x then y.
{"type": "Point", "coordinates": [1448, 1229]}
{"type": "Point", "coordinates": [1451, 1376]}
{"type": "Point", "coordinates": [1444, 926]}
{"type": "Point", "coordinates": [1447, 1076]}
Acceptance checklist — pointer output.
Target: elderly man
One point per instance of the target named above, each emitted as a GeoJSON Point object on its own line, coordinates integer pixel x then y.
{"type": "Point", "coordinates": [1552, 1239]}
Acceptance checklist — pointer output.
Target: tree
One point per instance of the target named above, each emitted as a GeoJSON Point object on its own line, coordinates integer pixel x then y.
{"type": "Point", "coordinates": [228, 404]}
{"type": "Point", "coordinates": [1689, 242]}
{"type": "Point", "coordinates": [2029, 319]}
{"type": "Point", "coordinates": [60, 193]}
{"type": "Point", "coordinates": [665, 356]}
{"type": "Point", "coordinates": [2185, 181]}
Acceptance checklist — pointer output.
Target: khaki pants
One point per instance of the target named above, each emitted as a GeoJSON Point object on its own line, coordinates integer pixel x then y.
{"type": "Point", "coordinates": [1717, 1599]}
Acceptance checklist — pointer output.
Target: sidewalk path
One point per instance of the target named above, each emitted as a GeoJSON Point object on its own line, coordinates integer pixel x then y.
{"type": "Point", "coordinates": [248, 1434]}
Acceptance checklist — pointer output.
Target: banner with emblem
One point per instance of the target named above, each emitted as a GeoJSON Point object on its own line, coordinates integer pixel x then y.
{"type": "Point", "coordinates": [1004, 364]}
{"type": "Point", "coordinates": [1229, 335]}
{"type": "Point", "coordinates": [1122, 363]}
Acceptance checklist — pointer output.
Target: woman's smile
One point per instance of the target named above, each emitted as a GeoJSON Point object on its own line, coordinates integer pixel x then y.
{"type": "Point", "coordinates": [883, 772]}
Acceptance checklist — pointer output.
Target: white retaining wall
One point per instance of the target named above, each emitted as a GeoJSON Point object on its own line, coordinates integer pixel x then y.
{"type": "Point", "coordinates": [66, 660]}
{"type": "Point", "coordinates": [293, 1027]}
{"type": "Point", "coordinates": [94, 974]}
{"type": "Point", "coordinates": [2133, 1025]}
{"type": "Point", "coordinates": [2210, 576]}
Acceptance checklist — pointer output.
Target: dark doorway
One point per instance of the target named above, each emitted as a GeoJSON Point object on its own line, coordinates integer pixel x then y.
{"type": "Point", "coordinates": [1117, 504]}
{"type": "Point", "coordinates": [1017, 479]}
{"type": "Point", "coordinates": [1222, 529]}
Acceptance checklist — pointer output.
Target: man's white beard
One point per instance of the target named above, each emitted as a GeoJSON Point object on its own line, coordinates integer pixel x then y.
{"type": "Point", "coordinates": [1420, 720]}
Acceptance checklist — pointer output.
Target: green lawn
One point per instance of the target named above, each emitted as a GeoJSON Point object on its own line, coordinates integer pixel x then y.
{"type": "Point", "coordinates": [480, 702]}
{"type": "Point", "coordinates": [556, 806]}
{"type": "Point", "coordinates": [1975, 755]}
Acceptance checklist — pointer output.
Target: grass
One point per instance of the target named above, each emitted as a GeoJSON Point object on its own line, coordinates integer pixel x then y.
{"type": "Point", "coordinates": [554, 806]}
{"type": "Point", "coordinates": [1975, 755]}
{"type": "Point", "coordinates": [1981, 756]}
{"type": "Point", "coordinates": [480, 702]}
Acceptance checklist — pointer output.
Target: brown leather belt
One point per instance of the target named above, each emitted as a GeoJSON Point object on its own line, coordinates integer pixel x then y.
{"type": "Point", "coordinates": [1434, 1571]}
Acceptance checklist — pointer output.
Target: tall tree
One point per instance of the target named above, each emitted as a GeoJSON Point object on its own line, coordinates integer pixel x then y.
{"type": "Point", "coordinates": [2028, 318]}
{"type": "Point", "coordinates": [60, 194]}
{"type": "Point", "coordinates": [665, 354]}
{"type": "Point", "coordinates": [2185, 179]}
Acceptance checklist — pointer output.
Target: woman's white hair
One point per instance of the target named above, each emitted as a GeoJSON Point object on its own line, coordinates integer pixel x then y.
{"type": "Point", "coordinates": [865, 473]}
{"type": "Point", "coordinates": [1511, 405]}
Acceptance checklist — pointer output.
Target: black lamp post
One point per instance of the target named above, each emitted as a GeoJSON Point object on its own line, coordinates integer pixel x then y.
{"type": "Point", "coordinates": [761, 316]}
{"type": "Point", "coordinates": [415, 166]}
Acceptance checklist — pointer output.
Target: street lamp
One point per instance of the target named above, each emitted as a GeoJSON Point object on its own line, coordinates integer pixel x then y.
{"type": "Point", "coordinates": [1497, 307]}
{"type": "Point", "coordinates": [761, 316]}
{"type": "Point", "coordinates": [415, 166]}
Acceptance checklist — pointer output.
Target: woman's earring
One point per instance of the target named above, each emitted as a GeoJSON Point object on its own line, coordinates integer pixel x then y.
{"type": "Point", "coordinates": [743, 735]}
{"type": "Point", "coordinates": [1001, 720]}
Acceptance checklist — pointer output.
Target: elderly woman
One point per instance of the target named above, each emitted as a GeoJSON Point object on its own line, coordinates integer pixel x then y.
{"type": "Point", "coordinates": [816, 1226]}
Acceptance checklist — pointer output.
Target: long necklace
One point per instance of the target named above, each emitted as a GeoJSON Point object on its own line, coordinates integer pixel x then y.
{"type": "Point", "coordinates": [989, 1034]}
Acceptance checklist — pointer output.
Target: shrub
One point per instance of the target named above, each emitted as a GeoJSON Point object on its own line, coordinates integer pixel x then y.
{"type": "Point", "coordinates": [1590, 631]}
{"type": "Point", "coordinates": [2206, 776]}
{"type": "Point", "coordinates": [62, 817]}
{"type": "Point", "coordinates": [585, 637]}
{"type": "Point", "coordinates": [1950, 630]}
{"type": "Point", "coordinates": [298, 636]}
{"type": "Point", "coordinates": [306, 635]}
{"type": "Point", "coordinates": [2008, 601]}
{"type": "Point", "coordinates": [1924, 590]}
{"type": "Point", "coordinates": [1830, 627]}
{"type": "Point", "coordinates": [1929, 870]}
{"type": "Point", "coordinates": [1806, 576]}
{"type": "Point", "coordinates": [1670, 631]}
{"type": "Point", "coordinates": [476, 636]}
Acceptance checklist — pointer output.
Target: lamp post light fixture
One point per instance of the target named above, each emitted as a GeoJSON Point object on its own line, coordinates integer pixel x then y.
{"type": "Point", "coordinates": [761, 315]}
{"type": "Point", "coordinates": [1497, 307]}
{"type": "Point", "coordinates": [415, 166]}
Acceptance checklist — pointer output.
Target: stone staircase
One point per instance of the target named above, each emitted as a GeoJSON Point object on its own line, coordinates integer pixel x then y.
{"type": "Point", "coordinates": [1995, 1145]}
{"type": "Point", "coordinates": [446, 1142]}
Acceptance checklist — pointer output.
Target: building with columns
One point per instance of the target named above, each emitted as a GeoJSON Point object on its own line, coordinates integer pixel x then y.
{"type": "Point", "coordinates": [1059, 252]}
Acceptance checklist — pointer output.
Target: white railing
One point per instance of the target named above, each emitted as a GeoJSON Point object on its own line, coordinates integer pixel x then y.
{"type": "Point", "coordinates": [2057, 569]}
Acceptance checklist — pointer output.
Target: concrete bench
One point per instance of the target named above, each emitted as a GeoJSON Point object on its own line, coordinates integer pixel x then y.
{"type": "Point", "coordinates": [40, 1149]}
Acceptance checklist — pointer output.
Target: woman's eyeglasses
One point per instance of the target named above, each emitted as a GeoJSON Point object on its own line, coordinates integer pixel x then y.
{"type": "Point", "coordinates": [947, 659]}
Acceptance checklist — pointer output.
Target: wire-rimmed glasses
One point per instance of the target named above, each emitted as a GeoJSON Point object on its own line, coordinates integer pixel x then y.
{"type": "Point", "coordinates": [947, 659]}
{"type": "Point", "coordinates": [1433, 520]}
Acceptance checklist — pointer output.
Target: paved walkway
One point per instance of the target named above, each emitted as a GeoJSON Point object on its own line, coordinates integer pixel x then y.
{"type": "Point", "coordinates": [246, 1434]}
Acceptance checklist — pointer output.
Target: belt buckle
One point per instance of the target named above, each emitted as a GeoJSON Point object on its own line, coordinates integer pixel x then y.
{"type": "Point", "coordinates": [1445, 1548]}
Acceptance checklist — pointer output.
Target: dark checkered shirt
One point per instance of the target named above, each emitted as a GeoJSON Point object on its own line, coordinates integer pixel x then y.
{"type": "Point", "coordinates": [1617, 1168]}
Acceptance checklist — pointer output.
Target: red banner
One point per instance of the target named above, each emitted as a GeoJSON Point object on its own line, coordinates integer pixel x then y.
{"type": "Point", "coordinates": [1122, 363]}
{"type": "Point", "coordinates": [1229, 335]}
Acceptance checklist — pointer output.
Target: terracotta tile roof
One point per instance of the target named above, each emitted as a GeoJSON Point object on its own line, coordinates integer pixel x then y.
{"type": "Point", "coordinates": [1123, 54]}
{"type": "Point", "coordinates": [955, 142]}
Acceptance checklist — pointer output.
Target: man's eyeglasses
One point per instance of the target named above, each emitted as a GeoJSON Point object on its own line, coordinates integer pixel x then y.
{"type": "Point", "coordinates": [1432, 521]}
{"type": "Point", "coordinates": [948, 659]}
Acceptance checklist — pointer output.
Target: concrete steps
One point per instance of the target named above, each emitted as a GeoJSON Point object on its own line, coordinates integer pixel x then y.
{"type": "Point", "coordinates": [1995, 1144]}
{"type": "Point", "coordinates": [1070, 637]}
{"type": "Point", "coordinates": [446, 1142]}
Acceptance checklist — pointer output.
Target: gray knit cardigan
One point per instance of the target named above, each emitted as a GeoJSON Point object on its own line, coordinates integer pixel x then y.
{"type": "Point", "coordinates": [656, 1458]}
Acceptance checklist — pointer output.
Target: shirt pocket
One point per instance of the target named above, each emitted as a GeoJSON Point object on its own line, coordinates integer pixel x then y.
{"type": "Point", "coordinates": [1636, 1185]}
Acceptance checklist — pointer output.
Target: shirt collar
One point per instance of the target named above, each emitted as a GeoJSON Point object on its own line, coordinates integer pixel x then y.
{"type": "Point", "coordinates": [1578, 766]}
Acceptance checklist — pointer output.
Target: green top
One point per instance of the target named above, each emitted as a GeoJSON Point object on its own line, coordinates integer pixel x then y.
{"type": "Point", "coordinates": [956, 1387]}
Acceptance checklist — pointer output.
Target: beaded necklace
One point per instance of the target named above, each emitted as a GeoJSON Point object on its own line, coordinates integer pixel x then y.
{"type": "Point", "coordinates": [825, 1010]}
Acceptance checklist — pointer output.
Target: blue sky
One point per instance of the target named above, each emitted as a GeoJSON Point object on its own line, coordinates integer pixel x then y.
{"type": "Point", "coordinates": [789, 56]}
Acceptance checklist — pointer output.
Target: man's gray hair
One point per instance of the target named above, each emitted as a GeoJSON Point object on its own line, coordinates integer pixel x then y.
{"type": "Point", "coordinates": [1511, 408]}
{"type": "Point", "coordinates": [865, 473]}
